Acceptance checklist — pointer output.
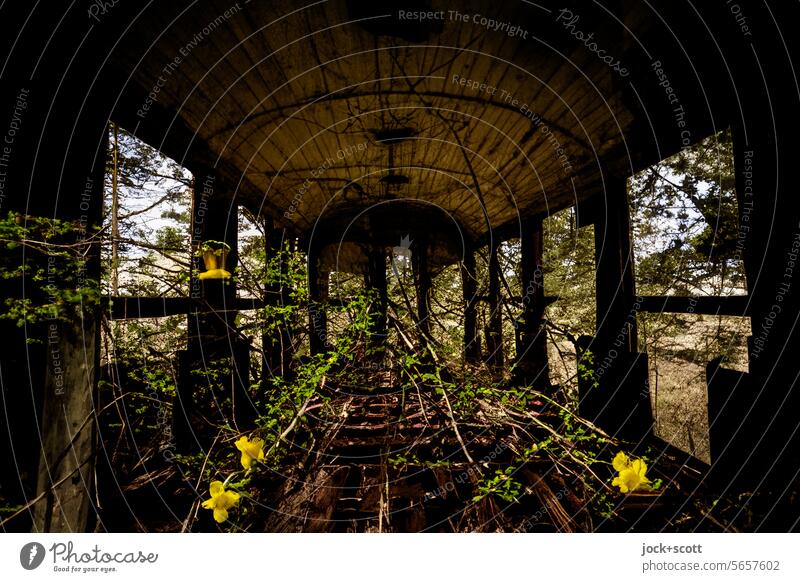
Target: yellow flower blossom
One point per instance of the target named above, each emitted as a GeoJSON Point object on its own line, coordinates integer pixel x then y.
{"type": "Point", "coordinates": [221, 501]}
{"type": "Point", "coordinates": [621, 462]}
{"type": "Point", "coordinates": [631, 478]}
{"type": "Point", "coordinates": [252, 450]}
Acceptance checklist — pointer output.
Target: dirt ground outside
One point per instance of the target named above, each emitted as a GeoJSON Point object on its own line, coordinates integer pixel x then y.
{"type": "Point", "coordinates": [678, 347]}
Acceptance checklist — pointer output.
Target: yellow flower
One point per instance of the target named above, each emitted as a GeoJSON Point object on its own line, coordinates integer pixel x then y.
{"type": "Point", "coordinates": [252, 450]}
{"type": "Point", "coordinates": [221, 501]}
{"type": "Point", "coordinates": [621, 462]}
{"type": "Point", "coordinates": [632, 478]}
{"type": "Point", "coordinates": [215, 274]}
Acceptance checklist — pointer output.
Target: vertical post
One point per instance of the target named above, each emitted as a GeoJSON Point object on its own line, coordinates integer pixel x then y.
{"type": "Point", "coordinates": [214, 218]}
{"type": "Point", "coordinates": [277, 346]}
{"type": "Point", "coordinates": [494, 333]}
{"type": "Point", "coordinates": [423, 282]}
{"type": "Point", "coordinates": [242, 408]}
{"type": "Point", "coordinates": [213, 338]}
{"type": "Point", "coordinates": [531, 361]}
{"type": "Point", "coordinates": [376, 280]}
{"type": "Point", "coordinates": [288, 247]}
{"type": "Point", "coordinates": [738, 402]}
{"type": "Point", "coordinates": [767, 401]}
{"type": "Point", "coordinates": [615, 287]}
{"type": "Point", "coordinates": [53, 162]}
{"type": "Point", "coordinates": [66, 468]}
{"type": "Point", "coordinates": [469, 287]}
{"type": "Point", "coordinates": [620, 402]}
{"type": "Point", "coordinates": [183, 406]}
{"type": "Point", "coordinates": [317, 298]}
{"type": "Point", "coordinates": [115, 214]}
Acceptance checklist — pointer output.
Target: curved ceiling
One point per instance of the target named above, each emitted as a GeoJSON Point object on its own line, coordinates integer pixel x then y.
{"type": "Point", "coordinates": [490, 110]}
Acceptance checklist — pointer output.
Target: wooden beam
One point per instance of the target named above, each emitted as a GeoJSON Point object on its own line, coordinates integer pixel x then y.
{"type": "Point", "coordinates": [422, 279]}
{"type": "Point", "coordinates": [762, 453]}
{"type": "Point", "coordinates": [212, 334]}
{"type": "Point", "coordinates": [547, 299]}
{"type": "Point", "coordinates": [277, 346]}
{"type": "Point", "coordinates": [586, 211]}
{"type": "Point", "coordinates": [494, 331]}
{"type": "Point", "coordinates": [734, 305]}
{"type": "Point", "coordinates": [469, 286]}
{"type": "Point", "coordinates": [214, 218]}
{"type": "Point", "coordinates": [317, 298]}
{"type": "Point", "coordinates": [66, 476]}
{"type": "Point", "coordinates": [147, 307]}
{"type": "Point", "coordinates": [531, 366]}
{"type": "Point", "coordinates": [375, 279]}
{"type": "Point", "coordinates": [619, 399]}
{"type": "Point", "coordinates": [615, 287]}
